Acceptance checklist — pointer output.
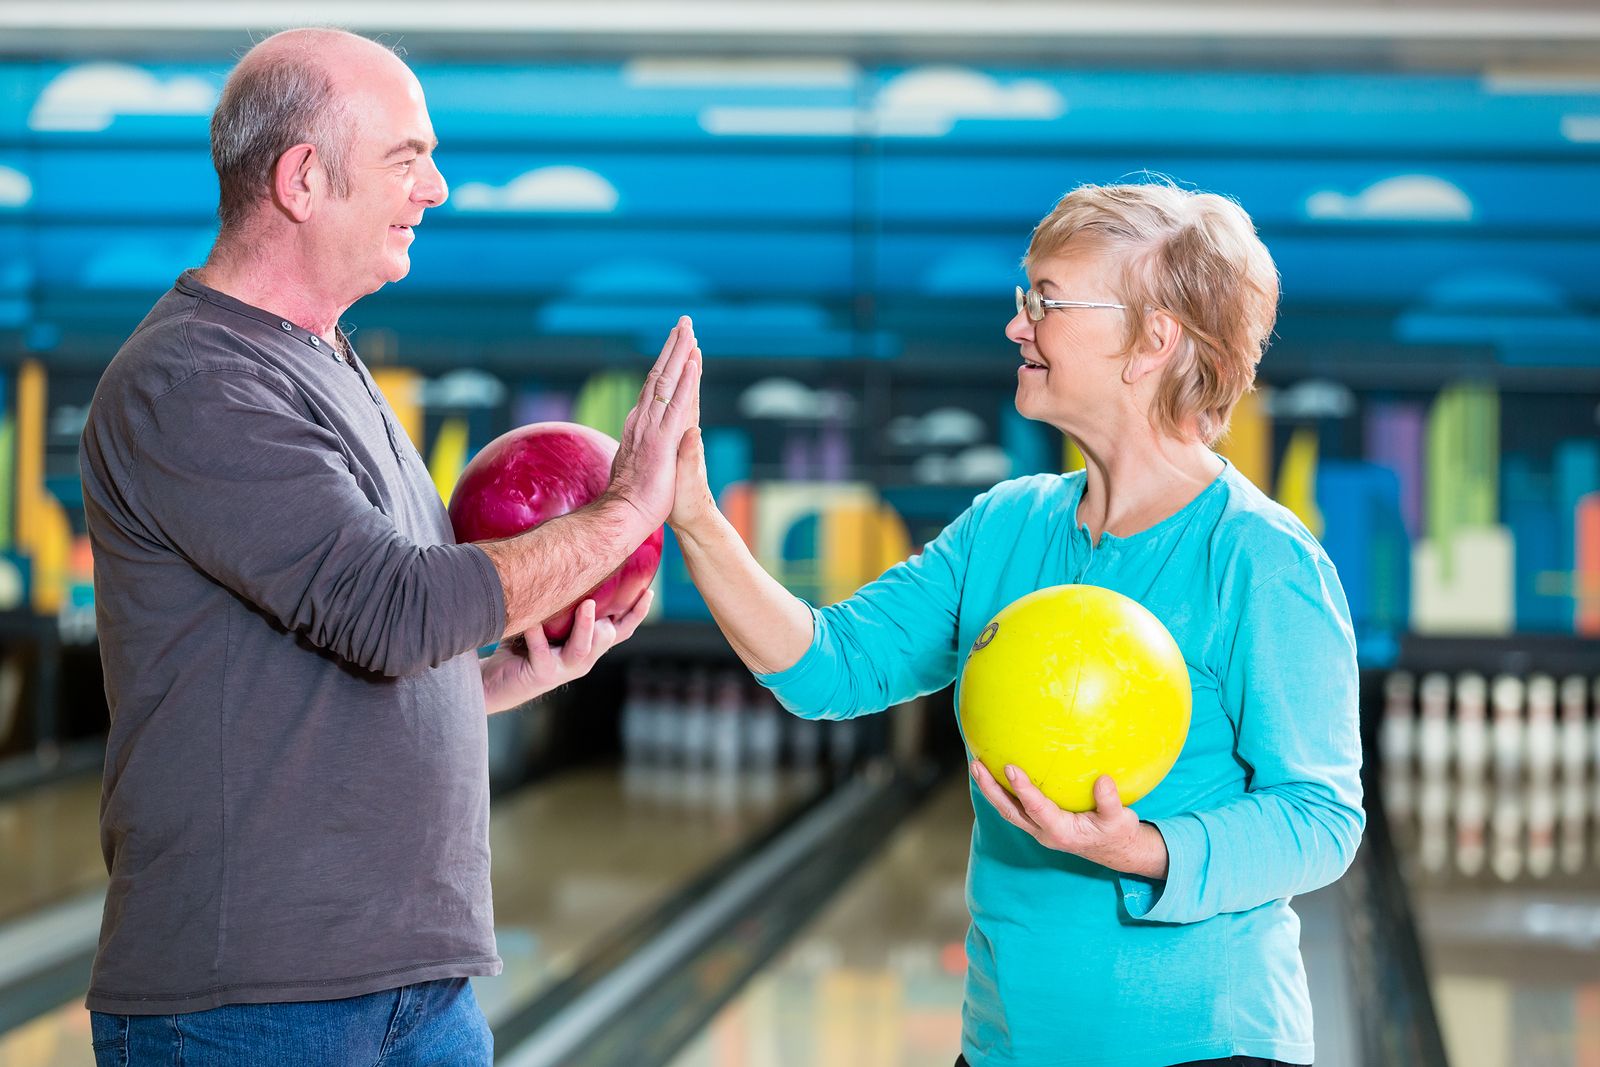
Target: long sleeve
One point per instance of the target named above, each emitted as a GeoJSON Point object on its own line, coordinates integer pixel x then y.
{"type": "Point", "coordinates": [233, 475]}
{"type": "Point", "coordinates": [894, 639]}
{"type": "Point", "coordinates": [1290, 672]}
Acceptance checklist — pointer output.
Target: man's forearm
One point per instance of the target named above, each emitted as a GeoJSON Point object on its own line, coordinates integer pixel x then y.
{"type": "Point", "coordinates": [767, 626]}
{"type": "Point", "coordinates": [551, 566]}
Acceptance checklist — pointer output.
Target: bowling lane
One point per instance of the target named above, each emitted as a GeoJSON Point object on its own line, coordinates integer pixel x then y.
{"type": "Point", "coordinates": [1492, 786]}
{"type": "Point", "coordinates": [50, 845]}
{"type": "Point", "coordinates": [575, 857]}
{"type": "Point", "coordinates": [876, 977]}
{"type": "Point", "coordinates": [1513, 971]}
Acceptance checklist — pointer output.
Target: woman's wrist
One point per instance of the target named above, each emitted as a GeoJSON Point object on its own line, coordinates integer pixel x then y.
{"type": "Point", "coordinates": [700, 529]}
{"type": "Point", "coordinates": [1147, 858]}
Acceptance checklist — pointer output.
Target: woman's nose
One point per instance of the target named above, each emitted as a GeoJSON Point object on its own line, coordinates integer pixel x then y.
{"type": "Point", "coordinates": [1020, 328]}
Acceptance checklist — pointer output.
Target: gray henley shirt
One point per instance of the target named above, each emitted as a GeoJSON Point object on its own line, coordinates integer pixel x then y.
{"type": "Point", "coordinates": [296, 797]}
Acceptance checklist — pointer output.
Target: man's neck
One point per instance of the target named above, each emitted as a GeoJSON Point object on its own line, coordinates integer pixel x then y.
{"type": "Point", "coordinates": [272, 285]}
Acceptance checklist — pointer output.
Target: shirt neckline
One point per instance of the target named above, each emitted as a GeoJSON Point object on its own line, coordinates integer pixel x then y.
{"type": "Point", "coordinates": [191, 285]}
{"type": "Point", "coordinates": [1149, 532]}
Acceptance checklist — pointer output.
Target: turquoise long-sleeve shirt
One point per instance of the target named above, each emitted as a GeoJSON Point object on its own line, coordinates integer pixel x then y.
{"type": "Point", "coordinates": [1068, 962]}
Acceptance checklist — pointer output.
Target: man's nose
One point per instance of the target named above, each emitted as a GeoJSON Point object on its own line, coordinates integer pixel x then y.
{"type": "Point", "coordinates": [432, 189]}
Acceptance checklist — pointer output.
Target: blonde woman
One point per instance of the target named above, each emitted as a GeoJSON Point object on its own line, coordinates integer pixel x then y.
{"type": "Point", "coordinates": [1109, 937]}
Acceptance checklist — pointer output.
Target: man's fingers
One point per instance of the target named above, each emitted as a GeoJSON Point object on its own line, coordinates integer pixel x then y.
{"type": "Point", "coordinates": [648, 389]}
{"type": "Point", "coordinates": [534, 643]}
{"type": "Point", "coordinates": [581, 640]}
{"type": "Point", "coordinates": [635, 615]}
{"type": "Point", "coordinates": [666, 384]}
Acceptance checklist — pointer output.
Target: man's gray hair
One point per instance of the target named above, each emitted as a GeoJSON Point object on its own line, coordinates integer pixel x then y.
{"type": "Point", "coordinates": [267, 107]}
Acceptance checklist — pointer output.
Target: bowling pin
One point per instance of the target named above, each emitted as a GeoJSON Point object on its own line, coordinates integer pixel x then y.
{"type": "Point", "coordinates": [637, 732]}
{"type": "Point", "coordinates": [1433, 728]}
{"type": "Point", "coordinates": [1509, 730]}
{"type": "Point", "coordinates": [805, 742]}
{"type": "Point", "coordinates": [1472, 816]}
{"type": "Point", "coordinates": [1593, 762]}
{"type": "Point", "coordinates": [765, 731]}
{"type": "Point", "coordinates": [1541, 740]}
{"type": "Point", "coordinates": [1505, 831]}
{"type": "Point", "coordinates": [1574, 730]}
{"type": "Point", "coordinates": [843, 740]}
{"type": "Point", "coordinates": [668, 717]}
{"type": "Point", "coordinates": [1433, 824]}
{"type": "Point", "coordinates": [697, 720]}
{"type": "Point", "coordinates": [1572, 824]}
{"type": "Point", "coordinates": [1573, 816]}
{"type": "Point", "coordinates": [1397, 745]}
{"type": "Point", "coordinates": [726, 722]}
{"type": "Point", "coordinates": [1541, 827]}
{"type": "Point", "coordinates": [1471, 727]}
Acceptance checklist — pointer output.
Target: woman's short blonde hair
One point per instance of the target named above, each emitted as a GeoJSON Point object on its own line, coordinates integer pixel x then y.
{"type": "Point", "coordinates": [1193, 255]}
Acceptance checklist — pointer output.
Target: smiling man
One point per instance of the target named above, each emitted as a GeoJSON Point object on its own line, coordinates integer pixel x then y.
{"type": "Point", "coordinates": [295, 807]}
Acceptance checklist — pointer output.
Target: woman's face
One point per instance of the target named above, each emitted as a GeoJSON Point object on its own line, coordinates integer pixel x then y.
{"type": "Point", "coordinates": [1072, 358]}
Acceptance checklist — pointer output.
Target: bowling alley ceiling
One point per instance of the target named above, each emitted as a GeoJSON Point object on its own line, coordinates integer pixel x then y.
{"type": "Point", "coordinates": [1550, 35]}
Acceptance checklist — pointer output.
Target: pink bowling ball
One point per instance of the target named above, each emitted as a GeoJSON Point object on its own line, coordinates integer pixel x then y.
{"type": "Point", "coordinates": [536, 473]}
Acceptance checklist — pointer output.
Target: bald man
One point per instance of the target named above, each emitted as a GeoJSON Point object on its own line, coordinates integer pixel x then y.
{"type": "Point", "coordinates": [295, 807]}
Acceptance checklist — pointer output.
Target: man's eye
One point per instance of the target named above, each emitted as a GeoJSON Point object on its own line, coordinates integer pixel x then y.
{"type": "Point", "coordinates": [405, 164]}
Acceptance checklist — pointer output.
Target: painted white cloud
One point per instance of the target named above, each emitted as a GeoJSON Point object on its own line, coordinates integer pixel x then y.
{"type": "Point", "coordinates": [465, 388]}
{"type": "Point", "coordinates": [1534, 83]}
{"type": "Point", "coordinates": [927, 101]}
{"type": "Point", "coordinates": [922, 102]}
{"type": "Point", "coordinates": [715, 72]}
{"type": "Point", "coordinates": [68, 420]}
{"type": "Point", "coordinates": [559, 188]}
{"type": "Point", "coordinates": [979, 465]}
{"type": "Point", "coordinates": [939, 428]}
{"type": "Point", "coordinates": [1581, 129]}
{"type": "Point", "coordinates": [785, 398]}
{"type": "Point", "coordinates": [88, 97]}
{"type": "Point", "coordinates": [780, 121]}
{"type": "Point", "coordinates": [1403, 198]}
{"type": "Point", "coordinates": [1311, 399]}
{"type": "Point", "coordinates": [15, 188]}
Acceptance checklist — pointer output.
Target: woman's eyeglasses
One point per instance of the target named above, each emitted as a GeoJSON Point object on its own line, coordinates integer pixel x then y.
{"type": "Point", "coordinates": [1035, 305]}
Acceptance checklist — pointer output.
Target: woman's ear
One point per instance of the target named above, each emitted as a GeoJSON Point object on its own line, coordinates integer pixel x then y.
{"type": "Point", "coordinates": [1158, 343]}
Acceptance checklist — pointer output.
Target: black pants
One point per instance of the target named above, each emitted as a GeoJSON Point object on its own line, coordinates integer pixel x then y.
{"type": "Point", "coordinates": [1232, 1061]}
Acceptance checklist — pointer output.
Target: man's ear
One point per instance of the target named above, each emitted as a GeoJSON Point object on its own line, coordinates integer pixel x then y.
{"type": "Point", "coordinates": [296, 181]}
{"type": "Point", "coordinates": [1157, 344]}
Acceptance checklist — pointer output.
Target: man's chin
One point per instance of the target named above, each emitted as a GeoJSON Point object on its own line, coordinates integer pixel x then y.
{"type": "Point", "coordinates": [397, 271]}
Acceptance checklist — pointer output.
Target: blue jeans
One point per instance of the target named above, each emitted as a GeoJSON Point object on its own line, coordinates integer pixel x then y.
{"type": "Point", "coordinates": [428, 1023]}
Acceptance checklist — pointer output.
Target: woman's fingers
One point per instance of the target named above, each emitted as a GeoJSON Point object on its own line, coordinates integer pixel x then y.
{"type": "Point", "coordinates": [1003, 802]}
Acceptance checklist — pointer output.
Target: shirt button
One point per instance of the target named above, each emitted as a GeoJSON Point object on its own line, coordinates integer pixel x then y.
{"type": "Point", "coordinates": [316, 342]}
{"type": "Point", "coordinates": [286, 325]}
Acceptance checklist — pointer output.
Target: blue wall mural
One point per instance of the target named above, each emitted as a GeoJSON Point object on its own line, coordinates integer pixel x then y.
{"type": "Point", "coordinates": [825, 208]}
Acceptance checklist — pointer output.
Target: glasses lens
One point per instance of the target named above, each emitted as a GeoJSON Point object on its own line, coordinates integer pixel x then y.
{"type": "Point", "coordinates": [1035, 305]}
{"type": "Point", "coordinates": [1021, 300]}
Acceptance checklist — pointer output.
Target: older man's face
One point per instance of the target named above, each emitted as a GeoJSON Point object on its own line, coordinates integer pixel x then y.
{"type": "Point", "coordinates": [393, 179]}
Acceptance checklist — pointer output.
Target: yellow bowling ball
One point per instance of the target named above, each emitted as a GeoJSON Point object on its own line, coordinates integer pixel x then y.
{"type": "Point", "coordinates": [1072, 682]}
